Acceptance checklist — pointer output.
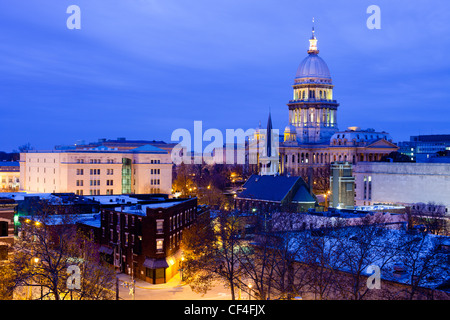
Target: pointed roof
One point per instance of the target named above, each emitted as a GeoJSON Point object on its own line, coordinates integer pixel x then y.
{"type": "Point", "coordinates": [381, 143]}
{"type": "Point", "coordinates": [269, 137]}
{"type": "Point", "coordinates": [276, 189]}
{"type": "Point", "coordinates": [313, 42]}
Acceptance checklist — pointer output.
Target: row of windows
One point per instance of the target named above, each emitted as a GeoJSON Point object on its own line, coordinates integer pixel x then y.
{"type": "Point", "coordinates": [44, 160]}
{"type": "Point", "coordinates": [94, 161]}
{"type": "Point", "coordinates": [109, 172]}
{"type": "Point", "coordinates": [94, 171]}
{"type": "Point", "coordinates": [94, 192]}
{"type": "Point", "coordinates": [109, 161]}
{"type": "Point", "coordinates": [302, 94]}
{"type": "Point", "coordinates": [324, 158]}
{"type": "Point", "coordinates": [80, 183]}
{"type": "Point", "coordinates": [45, 170]}
{"type": "Point", "coordinates": [37, 180]}
{"type": "Point", "coordinates": [155, 181]}
{"type": "Point", "coordinates": [180, 219]}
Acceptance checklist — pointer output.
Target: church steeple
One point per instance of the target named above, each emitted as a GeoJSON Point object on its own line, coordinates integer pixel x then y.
{"type": "Point", "coordinates": [269, 157]}
{"type": "Point", "coordinates": [269, 137]}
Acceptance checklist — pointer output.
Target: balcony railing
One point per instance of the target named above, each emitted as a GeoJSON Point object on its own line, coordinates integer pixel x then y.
{"type": "Point", "coordinates": [313, 100]}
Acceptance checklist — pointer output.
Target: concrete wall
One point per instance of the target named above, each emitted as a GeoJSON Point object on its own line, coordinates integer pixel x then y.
{"type": "Point", "coordinates": [403, 183]}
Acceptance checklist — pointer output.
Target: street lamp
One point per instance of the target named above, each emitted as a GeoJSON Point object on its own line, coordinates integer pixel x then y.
{"type": "Point", "coordinates": [34, 261]}
{"type": "Point", "coordinates": [249, 291]}
{"type": "Point", "coordinates": [327, 195]}
{"type": "Point", "coordinates": [181, 269]}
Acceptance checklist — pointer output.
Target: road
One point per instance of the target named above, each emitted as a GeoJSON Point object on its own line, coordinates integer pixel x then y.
{"type": "Point", "coordinates": [172, 290]}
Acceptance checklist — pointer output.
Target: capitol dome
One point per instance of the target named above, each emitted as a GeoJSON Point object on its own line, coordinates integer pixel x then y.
{"type": "Point", "coordinates": [313, 66]}
{"type": "Point", "coordinates": [290, 129]}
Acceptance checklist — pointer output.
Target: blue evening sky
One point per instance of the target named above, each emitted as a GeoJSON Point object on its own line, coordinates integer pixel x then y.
{"type": "Point", "coordinates": [142, 68]}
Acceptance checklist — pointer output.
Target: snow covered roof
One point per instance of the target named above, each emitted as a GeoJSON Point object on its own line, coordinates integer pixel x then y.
{"type": "Point", "coordinates": [388, 252]}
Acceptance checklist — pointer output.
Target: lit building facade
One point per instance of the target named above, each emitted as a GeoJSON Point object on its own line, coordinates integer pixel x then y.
{"type": "Point", "coordinates": [9, 176]}
{"type": "Point", "coordinates": [97, 171]}
{"type": "Point", "coordinates": [423, 147]}
{"type": "Point", "coordinates": [312, 139]}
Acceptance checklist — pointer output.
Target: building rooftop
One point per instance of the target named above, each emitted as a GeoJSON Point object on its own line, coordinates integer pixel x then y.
{"type": "Point", "coordinates": [274, 188]}
{"type": "Point", "coordinates": [141, 209]}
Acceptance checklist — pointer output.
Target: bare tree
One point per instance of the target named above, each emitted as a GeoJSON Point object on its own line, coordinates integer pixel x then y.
{"type": "Point", "coordinates": [47, 246]}
{"type": "Point", "coordinates": [424, 263]}
{"type": "Point", "coordinates": [6, 281]}
{"type": "Point", "coordinates": [217, 256]}
{"type": "Point", "coordinates": [431, 215]}
{"type": "Point", "coordinates": [363, 245]}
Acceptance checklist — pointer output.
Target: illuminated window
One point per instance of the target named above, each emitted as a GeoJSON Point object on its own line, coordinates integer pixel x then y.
{"type": "Point", "coordinates": [159, 245]}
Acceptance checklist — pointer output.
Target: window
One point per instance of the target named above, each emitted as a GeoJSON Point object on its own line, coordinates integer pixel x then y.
{"type": "Point", "coordinates": [160, 226]}
{"type": "Point", "coordinates": [365, 188]}
{"type": "Point", "coordinates": [3, 229]}
{"type": "Point", "coordinates": [80, 172]}
{"type": "Point", "coordinates": [159, 245]}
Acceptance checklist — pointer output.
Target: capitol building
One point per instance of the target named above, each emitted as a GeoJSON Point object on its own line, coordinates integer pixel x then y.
{"type": "Point", "coordinates": [311, 140]}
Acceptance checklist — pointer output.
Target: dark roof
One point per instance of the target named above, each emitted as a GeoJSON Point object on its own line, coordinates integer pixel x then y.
{"type": "Point", "coordinates": [148, 148]}
{"type": "Point", "coordinates": [274, 188]}
{"type": "Point", "coordinates": [9, 163]}
{"type": "Point", "coordinates": [303, 195]}
{"type": "Point", "coordinates": [155, 263]}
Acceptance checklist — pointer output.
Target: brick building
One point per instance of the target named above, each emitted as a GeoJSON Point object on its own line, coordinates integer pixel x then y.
{"type": "Point", "coordinates": [7, 212]}
{"type": "Point", "coordinates": [143, 240]}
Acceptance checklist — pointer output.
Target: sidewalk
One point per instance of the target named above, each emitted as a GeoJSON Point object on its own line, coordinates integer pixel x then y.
{"type": "Point", "coordinates": [172, 290]}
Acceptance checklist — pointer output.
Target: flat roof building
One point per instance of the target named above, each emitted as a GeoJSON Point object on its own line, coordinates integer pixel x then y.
{"type": "Point", "coordinates": [402, 183]}
{"type": "Point", "coordinates": [97, 171]}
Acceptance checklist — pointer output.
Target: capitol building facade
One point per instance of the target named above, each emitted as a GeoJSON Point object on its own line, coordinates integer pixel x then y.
{"type": "Point", "coordinates": [311, 141]}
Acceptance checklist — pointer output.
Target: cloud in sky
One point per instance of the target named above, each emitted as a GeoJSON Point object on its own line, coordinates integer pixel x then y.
{"type": "Point", "coordinates": [142, 68]}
